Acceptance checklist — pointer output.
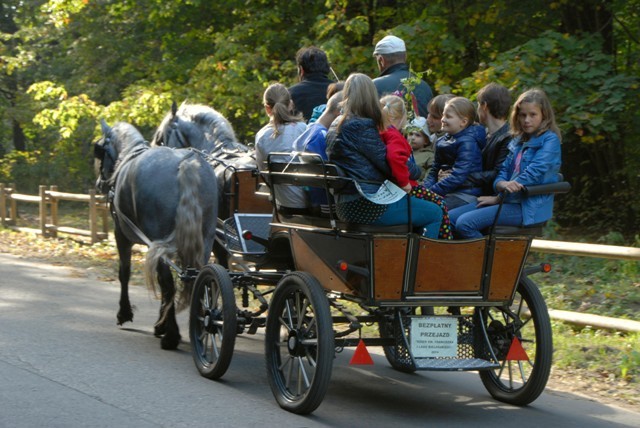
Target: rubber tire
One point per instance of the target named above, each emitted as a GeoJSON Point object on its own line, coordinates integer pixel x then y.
{"type": "Point", "coordinates": [213, 278]}
{"type": "Point", "coordinates": [532, 387]}
{"type": "Point", "coordinates": [303, 286]}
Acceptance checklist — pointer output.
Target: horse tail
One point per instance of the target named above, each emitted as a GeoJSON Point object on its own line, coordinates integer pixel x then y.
{"type": "Point", "coordinates": [186, 241]}
{"type": "Point", "coordinates": [189, 239]}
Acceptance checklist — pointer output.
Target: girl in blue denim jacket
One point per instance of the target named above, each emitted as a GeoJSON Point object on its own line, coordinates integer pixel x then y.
{"type": "Point", "coordinates": [534, 158]}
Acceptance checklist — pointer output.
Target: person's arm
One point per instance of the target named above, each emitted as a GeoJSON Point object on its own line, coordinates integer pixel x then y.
{"type": "Point", "coordinates": [468, 153]}
{"type": "Point", "coordinates": [545, 158]}
{"type": "Point", "coordinates": [432, 174]}
{"type": "Point", "coordinates": [397, 157]}
{"type": "Point", "coordinates": [542, 159]}
{"type": "Point", "coordinates": [374, 149]}
{"type": "Point", "coordinates": [486, 178]}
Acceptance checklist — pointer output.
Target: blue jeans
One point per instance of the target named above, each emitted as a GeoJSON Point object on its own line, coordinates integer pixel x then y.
{"type": "Point", "coordinates": [471, 222]}
{"type": "Point", "coordinates": [455, 213]}
{"type": "Point", "coordinates": [424, 214]}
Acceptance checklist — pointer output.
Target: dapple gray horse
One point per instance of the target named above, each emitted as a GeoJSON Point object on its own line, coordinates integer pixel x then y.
{"type": "Point", "coordinates": [205, 129]}
{"type": "Point", "coordinates": [163, 198]}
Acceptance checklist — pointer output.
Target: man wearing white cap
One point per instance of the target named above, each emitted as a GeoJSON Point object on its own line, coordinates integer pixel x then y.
{"type": "Point", "coordinates": [391, 56]}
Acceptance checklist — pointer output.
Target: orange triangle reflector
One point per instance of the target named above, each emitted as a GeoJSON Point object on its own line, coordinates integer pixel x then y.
{"type": "Point", "coordinates": [516, 351]}
{"type": "Point", "coordinates": [361, 356]}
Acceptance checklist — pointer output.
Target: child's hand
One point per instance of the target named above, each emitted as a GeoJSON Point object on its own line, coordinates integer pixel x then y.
{"type": "Point", "coordinates": [509, 186]}
{"type": "Point", "coordinates": [442, 174]}
{"type": "Point", "coordinates": [485, 201]}
{"type": "Point", "coordinates": [407, 188]}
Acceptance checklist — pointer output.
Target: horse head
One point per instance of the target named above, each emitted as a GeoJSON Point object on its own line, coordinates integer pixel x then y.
{"type": "Point", "coordinates": [116, 140]}
{"type": "Point", "coordinates": [177, 132]}
{"type": "Point", "coordinates": [106, 156]}
{"type": "Point", "coordinates": [197, 126]}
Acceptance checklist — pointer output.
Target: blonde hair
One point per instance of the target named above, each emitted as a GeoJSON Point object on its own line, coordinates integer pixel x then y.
{"type": "Point", "coordinates": [361, 99]}
{"type": "Point", "coordinates": [538, 97]}
{"type": "Point", "coordinates": [438, 102]}
{"type": "Point", "coordinates": [393, 111]}
{"type": "Point", "coordinates": [463, 108]}
{"type": "Point", "coordinates": [277, 97]}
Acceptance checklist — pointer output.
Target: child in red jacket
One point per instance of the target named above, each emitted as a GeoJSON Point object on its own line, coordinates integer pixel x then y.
{"type": "Point", "coordinates": [400, 158]}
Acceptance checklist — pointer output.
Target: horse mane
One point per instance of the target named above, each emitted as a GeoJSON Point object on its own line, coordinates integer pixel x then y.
{"type": "Point", "coordinates": [129, 143]}
{"type": "Point", "coordinates": [215, 126]}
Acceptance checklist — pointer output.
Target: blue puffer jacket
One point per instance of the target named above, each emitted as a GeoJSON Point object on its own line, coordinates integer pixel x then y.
{"type": "Point", "coordinates": [462, 154]}
{"type": "Point", "coordinates": [540, 164]}
{"type": "Point", "coordinates": [359, 151]}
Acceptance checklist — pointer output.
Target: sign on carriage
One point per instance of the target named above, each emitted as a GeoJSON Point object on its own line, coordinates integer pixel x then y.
{"type": "Point", "coordinates": [434, 337]}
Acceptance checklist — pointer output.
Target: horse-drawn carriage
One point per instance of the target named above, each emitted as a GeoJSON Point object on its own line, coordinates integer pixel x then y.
{"type": "Point", "coordinates": [430, 304]}
{"type": "Point", "coordinates": [317, 285]}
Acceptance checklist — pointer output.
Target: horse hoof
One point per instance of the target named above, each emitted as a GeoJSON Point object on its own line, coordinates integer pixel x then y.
{"type": "Point", "coordinates": [170, 343]}
{"type": "Point", "coordinates": [122, 318]}
{"type": "Point", "coordinates": [159, 330]}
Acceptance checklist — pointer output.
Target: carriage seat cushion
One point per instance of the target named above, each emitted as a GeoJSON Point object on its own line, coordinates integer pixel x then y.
{"type": "Point", "coordinates": [530, 230]}
{"type": "Point", "coordinates": [373, 228]}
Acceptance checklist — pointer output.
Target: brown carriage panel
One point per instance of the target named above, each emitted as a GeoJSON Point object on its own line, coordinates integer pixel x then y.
{"type": "Point", "coordinates": [248, 200]}
{"type": "Point", "coordinates": [389, 259]}
{"type": "Point", "coordinates": [308, 261]}
{"type": "Point", "coordinates": [445, 266]}
{"type": "Point", "coordinates": [508, 257]}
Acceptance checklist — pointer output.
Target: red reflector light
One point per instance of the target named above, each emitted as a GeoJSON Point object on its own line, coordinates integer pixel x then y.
{"type": "Point", "coordinates": [546, 267]}
{"type": "Point", "coordinates": [343, 266]}
{"type": "Point", "coordinates": [247, 235]}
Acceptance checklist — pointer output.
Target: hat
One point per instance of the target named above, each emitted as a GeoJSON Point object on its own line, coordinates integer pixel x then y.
{"type": "Point", "coordinates": [419, 123]}
{"type": "Point", "coordinates": [389, 45]}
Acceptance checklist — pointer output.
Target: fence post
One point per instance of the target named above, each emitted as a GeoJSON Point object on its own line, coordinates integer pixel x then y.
{"type": "Point", "coordinates": [3, 205]}
{"type": "Point", "coordinates": [13, 211]}
{"type": "Point", "coordinates": [104, 211]}
{"type": "Point", "coordinates": [93, 216]}
{"type": "Point", "coordinates": [42, 208]}
{"type": "Point", "coordinates": [54, 212]}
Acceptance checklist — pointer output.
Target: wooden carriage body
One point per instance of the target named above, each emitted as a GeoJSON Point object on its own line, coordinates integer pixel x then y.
{"type": "Point", "coordinates": [387, 269]}
{"type": "Point", "coordinates": [387, 266]}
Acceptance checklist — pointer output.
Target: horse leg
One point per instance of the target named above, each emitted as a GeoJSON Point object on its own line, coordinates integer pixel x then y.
{"type": "Point", "coordinates": [124, 273]}
{"type": "Point", "coordinates": [167, 324]}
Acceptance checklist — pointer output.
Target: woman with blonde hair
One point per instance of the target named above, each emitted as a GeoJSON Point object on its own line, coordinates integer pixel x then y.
{"type": "Point", "coordinates": [354, 144]}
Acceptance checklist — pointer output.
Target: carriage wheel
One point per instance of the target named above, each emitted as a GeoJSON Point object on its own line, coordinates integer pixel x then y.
{"type": "Point", "coordinates": [299, 343]}
{"type": "Point", "coordinates": [519, 381]}
{"type": "Point", "coordinates": [212, 321]}
{"type": "Point", "coordinates": [397, 355]}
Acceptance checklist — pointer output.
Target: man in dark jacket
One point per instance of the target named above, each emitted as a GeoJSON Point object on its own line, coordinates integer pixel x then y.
{"type": "Point", "coordinates": [313, 69]}
{"type": "Point", "coordinates": [391, 56]}
{"type": "Point", "coordinates": [494, 102]}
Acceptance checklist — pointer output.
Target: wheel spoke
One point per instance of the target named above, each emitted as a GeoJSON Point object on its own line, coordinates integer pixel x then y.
{"type": "Point", "coordinates": [523, 376]}
{"type": "Point", "coordinates": [310, 358]}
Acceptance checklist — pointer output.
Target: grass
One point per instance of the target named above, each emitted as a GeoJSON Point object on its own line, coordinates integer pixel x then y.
{"type": "Point", "coordinates": [602, 362]}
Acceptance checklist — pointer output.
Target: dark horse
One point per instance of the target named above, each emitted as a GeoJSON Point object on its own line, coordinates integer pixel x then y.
{"type": "Point", "coordinates": [205, 129]}
{"type": "Point", "coordinates": [166, 199]}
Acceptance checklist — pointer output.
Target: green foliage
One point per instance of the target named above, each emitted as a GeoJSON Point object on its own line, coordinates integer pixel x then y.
{"type": "Point", "coordinates": [593, 105]}
{"type": "Point", "coordinates": [613, 356]}
{"type": "Point", "coordinates": [64, 64]}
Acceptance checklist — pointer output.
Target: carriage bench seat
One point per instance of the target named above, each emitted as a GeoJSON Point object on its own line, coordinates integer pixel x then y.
{"type": "Point", "coordinates": [310, 170]}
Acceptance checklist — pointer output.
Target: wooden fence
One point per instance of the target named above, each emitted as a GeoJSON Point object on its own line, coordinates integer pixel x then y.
{"type": "Point", "coordinates": [47, 200]}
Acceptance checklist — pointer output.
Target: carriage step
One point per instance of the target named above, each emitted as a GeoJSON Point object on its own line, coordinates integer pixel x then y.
{"type": "Point", "coordinates": [454, 364]}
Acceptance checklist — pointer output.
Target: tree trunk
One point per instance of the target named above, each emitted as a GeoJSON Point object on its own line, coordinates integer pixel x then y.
{"type": "Point", "coordinates": [19, 140]}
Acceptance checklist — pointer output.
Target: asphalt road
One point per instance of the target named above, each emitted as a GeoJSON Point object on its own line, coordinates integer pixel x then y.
{"type": "Point", "coordinates": [65, 363]}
